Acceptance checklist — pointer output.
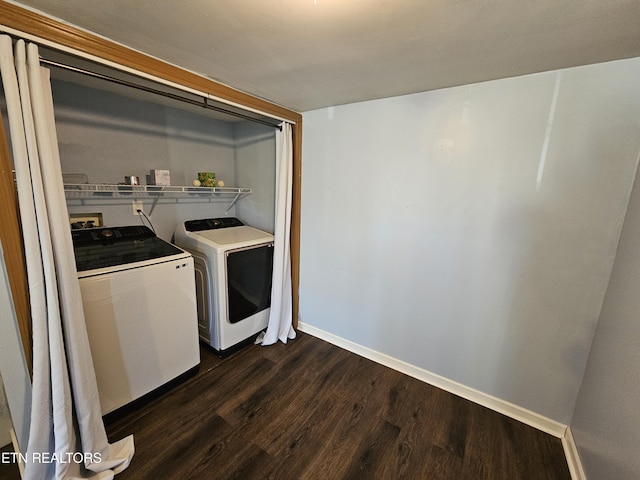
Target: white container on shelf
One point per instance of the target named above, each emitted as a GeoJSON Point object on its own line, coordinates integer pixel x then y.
{"type": "Point", "coordinates": [160, 177]}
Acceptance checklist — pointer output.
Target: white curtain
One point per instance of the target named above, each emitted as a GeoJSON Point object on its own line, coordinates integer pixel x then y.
{"type": "Point", "coordinates": [280, 325]}
{"type": "Point", "coordinates": [67, 438]}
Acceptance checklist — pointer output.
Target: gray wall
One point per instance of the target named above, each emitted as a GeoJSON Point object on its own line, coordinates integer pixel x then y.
{"type": "Point", "coordinates": [471, 231]}
{"type": "Point", "coordinates": [255, 165]}
{"type": "Point", "coordinates": [606, 422]}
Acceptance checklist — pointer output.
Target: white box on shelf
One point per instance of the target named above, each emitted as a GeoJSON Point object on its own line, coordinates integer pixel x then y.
{"type": "Point", "coordinates": [160, 177]}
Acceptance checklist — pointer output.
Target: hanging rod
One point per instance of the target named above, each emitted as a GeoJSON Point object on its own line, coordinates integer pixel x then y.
{"type": "Point", "coordinates": [204, 103]}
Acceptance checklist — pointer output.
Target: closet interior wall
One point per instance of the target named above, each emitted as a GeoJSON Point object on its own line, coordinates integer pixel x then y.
{"type": "Point", "coordinates": [109, 134]}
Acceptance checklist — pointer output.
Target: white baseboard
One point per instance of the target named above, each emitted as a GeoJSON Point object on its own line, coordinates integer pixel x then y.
{"type": "Point", "coordinates": [573, 458]}
{"type": "Point", "coordinates": [509, 409]}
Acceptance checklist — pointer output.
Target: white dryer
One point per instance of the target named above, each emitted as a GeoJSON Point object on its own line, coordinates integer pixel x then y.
{"type": "Point", "coordinates": [233, 265]}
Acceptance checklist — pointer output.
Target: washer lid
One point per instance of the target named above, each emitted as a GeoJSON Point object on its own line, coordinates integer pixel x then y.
{"type": "Point", "coordinates": [240, 235]}
{"type": "Point", "coordinates": [98, 248]}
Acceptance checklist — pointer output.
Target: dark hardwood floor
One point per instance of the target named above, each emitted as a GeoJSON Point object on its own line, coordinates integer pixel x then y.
{"type": "Point", "coordinates": [310, 410]}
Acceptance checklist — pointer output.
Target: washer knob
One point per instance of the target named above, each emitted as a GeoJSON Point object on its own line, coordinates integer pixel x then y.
{"type": "Point", "coordinates": [107, 233]}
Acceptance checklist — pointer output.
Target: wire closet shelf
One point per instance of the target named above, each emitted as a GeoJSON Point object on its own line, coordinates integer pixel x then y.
{"type": "Point", "coordinates": [156, 192]}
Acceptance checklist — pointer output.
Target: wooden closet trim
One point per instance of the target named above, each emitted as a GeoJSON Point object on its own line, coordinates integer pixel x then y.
{"type": "Point", "coordinates": [45, 28]}
{"type": "Point", "coordinates": [11, 239]}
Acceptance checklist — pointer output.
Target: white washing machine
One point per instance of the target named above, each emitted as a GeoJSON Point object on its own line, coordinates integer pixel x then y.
{"type": "Point", "coordinates": [233, 266]}
{"type": "Point", "coordinates": [139, 302]}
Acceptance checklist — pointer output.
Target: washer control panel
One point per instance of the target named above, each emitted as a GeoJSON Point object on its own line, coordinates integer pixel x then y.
{"type": "Point", "coordinates": [211, 224]}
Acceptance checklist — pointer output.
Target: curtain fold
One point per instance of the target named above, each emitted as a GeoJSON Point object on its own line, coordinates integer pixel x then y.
{"type": "Point", "coordinates": [280, 326]}
{"type": "Point", "coordinates": [67, 438]}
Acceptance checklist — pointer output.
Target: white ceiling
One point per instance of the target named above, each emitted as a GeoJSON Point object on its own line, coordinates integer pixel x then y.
{"type": "Point", "coordinates": [307, 54]}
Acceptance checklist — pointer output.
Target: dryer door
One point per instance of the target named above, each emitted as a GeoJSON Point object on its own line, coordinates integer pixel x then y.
{"type": "Point", "coordinates": [249, 273]}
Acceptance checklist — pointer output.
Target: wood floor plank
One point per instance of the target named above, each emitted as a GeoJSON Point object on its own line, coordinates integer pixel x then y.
{"type": "Point", "coordinates": [420, 430]}
{"type": "Point", "coordinates": [310, 410]}
{"type": "Point", "coordinates": [235, 459]}
{"type": "Point", "coordinates": [442, 464]}
{"type": "Point", "coordinates": [374, 453]}
{"type": "Point", "coordinates": [292, 426]}
{"type": "Point", "coordinates": [340, 443]}
{"type": "Point", "coordinates": [270, 392]}
{"type": "Point", "coordinates": [301, 444]}
{"type": "Point", "coordinates": [194, 448]}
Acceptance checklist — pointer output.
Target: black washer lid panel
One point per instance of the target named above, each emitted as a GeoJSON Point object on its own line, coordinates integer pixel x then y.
{"type": "Point", "coordinates": [96, 248]}
{"type": "Point", "coordinates": [88, 236]}
{"type": "Point", "coordinates": [211, 224]}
